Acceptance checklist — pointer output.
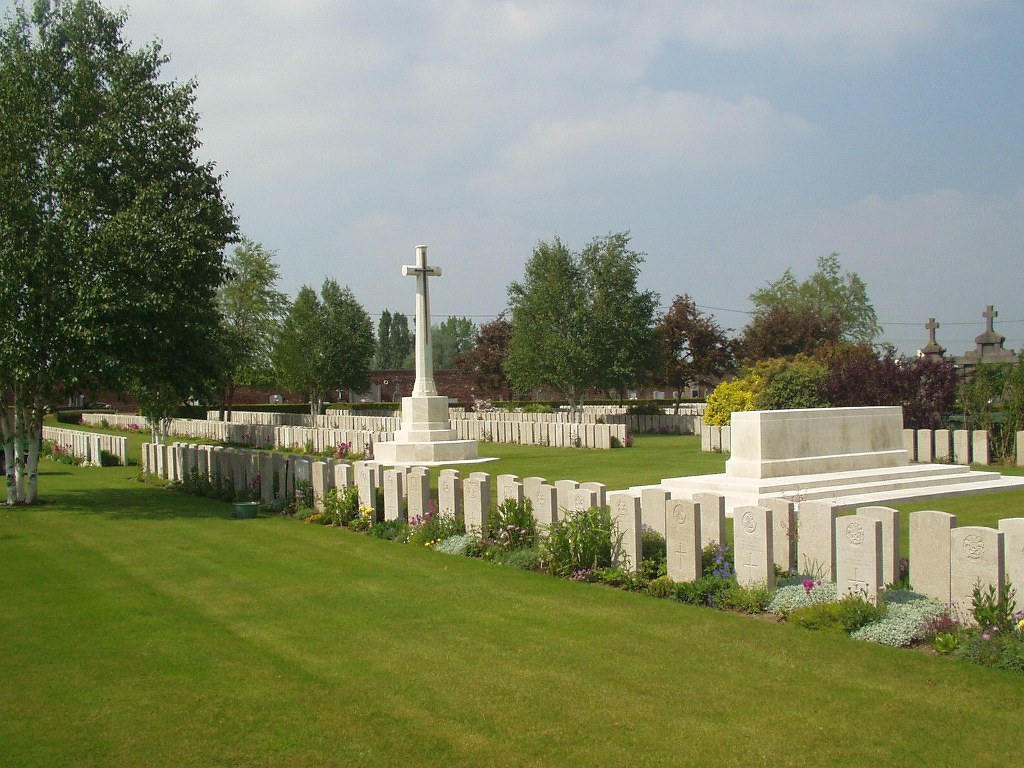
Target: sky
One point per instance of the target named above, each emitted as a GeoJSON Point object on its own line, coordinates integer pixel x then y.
{"type": "Point", "coordinates": [732, 139]}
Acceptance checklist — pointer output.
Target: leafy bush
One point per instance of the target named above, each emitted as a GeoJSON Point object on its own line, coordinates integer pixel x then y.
{"type": "Point", "coordinates": [524, 558]}
{"type": "Point", "coordinates": [60, 453]}
{"type": "Point", "coordinates": [991, 610]}
{"type": "Point", "coordinates": [712, 591]}
{"type": "Point", "coordinates": [662, 587]}
{"type": "Point", "coordinates": [433, 528]}
{"type": "Point", "coordinates": [644, 409]}
{"type": "Point", "coordinates": [728, 396]}
{"type": "Point", "coordinates": [620, 578]}
{"type": "Point", "coordinates": [67, 416]}
{"type": "Point", "coordinates": [747, 599]}
{"type": "Point", "coordinates": [582, 540]}
{"type": "Point", "coordinates": [341, 505]}
{"type": "Point", "coordinates": [389, 529]}
{"type": "Point", "coordinates": [108, 459]}
{"type": "Point", "coordinates": [512, 525]}
{"type": "Point", "coordinates": [848, 615]}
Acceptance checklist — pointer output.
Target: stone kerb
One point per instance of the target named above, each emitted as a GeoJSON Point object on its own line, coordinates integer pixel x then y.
{"type": "Point", "coordinates": [859, 556]}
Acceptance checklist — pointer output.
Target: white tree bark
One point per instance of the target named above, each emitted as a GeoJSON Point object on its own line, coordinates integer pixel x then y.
{"type": "Point", "coordinates": [10, 460]}
{"type": "Point", "coordinates": [35, 440]}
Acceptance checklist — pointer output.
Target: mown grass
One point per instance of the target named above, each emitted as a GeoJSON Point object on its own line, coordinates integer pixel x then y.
{"type": "Point", "coordinates": [144, 627]}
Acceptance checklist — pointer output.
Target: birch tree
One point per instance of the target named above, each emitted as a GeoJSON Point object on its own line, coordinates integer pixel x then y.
{"type": "Point", "coordinates": [111, 232]}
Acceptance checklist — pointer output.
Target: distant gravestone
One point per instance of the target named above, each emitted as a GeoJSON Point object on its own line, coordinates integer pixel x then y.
{"type": "Point", "coordinates": [1013, 554]}
{"type": "Point", "coordinates": [652, 508]}
{"type": "Point", "coordinates": [530, 486]}
{"type": "Point", "coordinates": [545, 505]}
{"type": "Point", "coordinates": [752, 547]}
{"type": "Point", "coordinates": [682, 539]}
{"type": "Point", "coordinates": [321, 477]}
{"type": "Point", "coordinates": [394, 505]}
{"type": "Point", "coordinates": [816, 545]}
{"type": "Point", "coordinates": [929, 553]}
{"type": "Point", "coordinates": [582, 499]}
{"type": "Point", "coordinates": [783, 532]}
{"type": "Point", "coordinates": [975, 558]}
{"type": "Point", "coordinates": [910, 443]}
{"type": "Point", "coordinates": [601, 493]}
{"type": "Point", "coordinates": [961, 446]}
{"type": "Point", "coordinates": [943, 445]}
{"type": "Point", "coordinates": [712, 518]}
{"type": "Point", "coordinates": [564, 490]}
{"type": "Point", "coordinates": [418, 493]}
{"type": "Point", "coordinates": [449, 494]}
{"type": "Point", "coordinates": [266, 474]}
{"type": "Point", "coordinates": [476, 500]}
{"type": "Point", "coordinates": [627, 547]}
{"type": "Point", "coordinates": [859, 557]}
{"type": "Point", "coordinates": [509, 487]}
{"type": "Point", "coordinates": [890, 519]}
{"type": "Point", "coordinates": [979, 447]}
{"type": "Point", "coordinates": [925, 448]}
{"type": "Point", "coordinates": [343, 476]}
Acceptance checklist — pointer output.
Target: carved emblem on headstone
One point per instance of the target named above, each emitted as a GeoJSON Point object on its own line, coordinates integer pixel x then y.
{"type": "Point", "coordinates": [679, 514]}
{"type": "Point", "coordinates": [749, 523]}
{"type": "Point", "coordinates": [974, 547]}
{"type": "Point", "coordinates": [855, 533]}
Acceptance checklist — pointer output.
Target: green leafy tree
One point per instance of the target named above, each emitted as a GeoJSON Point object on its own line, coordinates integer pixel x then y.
{"type": "Point", "coordinates": [252, 309]}
{"type": "Point", "coordinates": [550, 344]}
{"type": "Point", "coordinates": [694, 349]}
{"type": "Point", "coordinates": [394, 342]}
{"type": "Point", "coordinates": [622, 333]}
{"type": "Point", "coordinates": [326, 343]}
{"type": "Point", "coordinates": [579, 322]}
{"type": "Point", "coordinates": [792, 317]}
{"type": "Point", "coordinates": [111, 232]}
{"type": "Point", "coordinates": [450, 339]}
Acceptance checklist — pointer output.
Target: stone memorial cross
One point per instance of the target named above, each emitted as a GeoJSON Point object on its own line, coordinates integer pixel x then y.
{"type": "Point", "coordinates": [424, 386]}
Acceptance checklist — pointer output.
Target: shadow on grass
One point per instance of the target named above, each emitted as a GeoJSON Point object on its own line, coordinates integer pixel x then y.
{"type": "Point", "coordinates": [115, 494]}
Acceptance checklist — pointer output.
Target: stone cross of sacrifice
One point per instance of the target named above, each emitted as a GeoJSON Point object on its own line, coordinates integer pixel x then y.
{"type": "Point", "coordinates": [989, 314]}
{"type": "Point", "coordinates": [424, 386]}
{"type": "Point", "coordinates": [931, 325]}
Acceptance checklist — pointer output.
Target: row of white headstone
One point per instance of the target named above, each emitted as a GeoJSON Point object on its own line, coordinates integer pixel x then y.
{"type": "Point", "coordinates": [88, 446]}
{"type": "Point", "coordinates": [860, 552]}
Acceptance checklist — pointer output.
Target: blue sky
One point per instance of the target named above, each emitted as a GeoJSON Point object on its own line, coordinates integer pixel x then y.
{"type": "Point", "coordinates": [733, 139]}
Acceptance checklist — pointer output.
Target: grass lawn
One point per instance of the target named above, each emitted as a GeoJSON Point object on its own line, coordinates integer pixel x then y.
{"type": "Point", "coordinates": [144, 627]}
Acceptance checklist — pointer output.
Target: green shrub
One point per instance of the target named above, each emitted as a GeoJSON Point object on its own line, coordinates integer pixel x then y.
{"type": "Point", "coordinates": [108, 459]}
{"type": "Point", "coordinates": [68, 416]}
{"type": "Point", "coordinates": [790, 597]}
{"type": "Point", "coordinates": [662, 587]}
{"type": "Point", "coordinates": [711, 591]}
{"type": "Point", "coordinates": [512, 525]}
{"type": "Point", "coordinates": [433, 528]}
{"type": "Point", "coordinates": [848, 615]}
{"type": "Point", "coordinates": [389, 529]}
{"type": "Point", "coordinates": [991, 610]}
{"type": "Point", "coordinates": [644, 409]}
{"type": "Point", "coordinates": [620, 578]}
{"type": "Point", "coordinates": [747, 599]}
{"type": "Point", "coordinates": [341, 505]}
{"type": "Point", "coordinates": [60, 453]}
{"type": "Point", "coordinates": [524, 558]}
{"type": "Point", "coordinates": [464, 544]}
{"type": "Point", "coordinates": [728, 396]}
{"type": "Point", "coordinates": [582, 540]}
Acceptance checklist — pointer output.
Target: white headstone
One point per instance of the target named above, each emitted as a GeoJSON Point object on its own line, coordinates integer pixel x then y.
{"type": "Point", "coordinates": [712, 518]}
{"type": "Point", "coordinates": [394, 505]}
{"type": "Point", "coordinates": [783, 532]}
{"type": "Point", "coordinates": [682, 539]}
{"type": "Point", "coordinates": [975, 558]}
{"type": "Point", "coordinates": [859, 557]}
{"type": "Point", "coordinates": [1013, 555]}
{"type": "Point", "coordinates": [890, 519]}
{"type": "Point", "coordinates": [627, 546]}
{"type": "Point", "coordinates": [652, 508]}
{"type": "Point", "coordinates": [752, 547]}
{"type": "Point", "coordinates": [545, 505]}
{"type": "Point", "coordinates": [816, 545]}
{"type": "Point", "coordinates": [449, 493]}
{"type": "Point", "coordinates": [418, 492]}
{"type": "Point", "coordinates": [564, 490]}
{"type": "Point", "coordinates": [476, 500]}
{"type": "Point", "coordinates": [930, 533]}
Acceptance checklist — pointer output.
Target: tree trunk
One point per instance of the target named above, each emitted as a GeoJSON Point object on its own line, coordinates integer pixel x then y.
{"type": "Point", "coordinates": [229, 401]}
{"type": "Point", "coordinates": [10, 460]}
{"type": "Point", "coordinates": [20, 440]}
{"type": "Point", "coordinates": [35, 438]}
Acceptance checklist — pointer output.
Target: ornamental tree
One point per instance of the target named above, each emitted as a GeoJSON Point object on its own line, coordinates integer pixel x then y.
{"type": "Point", "coordinates": [111, 231]}
{"type": "Point", "coordinates": [694, 349]}
{"type": "Point", "coordinates": [326, 343]}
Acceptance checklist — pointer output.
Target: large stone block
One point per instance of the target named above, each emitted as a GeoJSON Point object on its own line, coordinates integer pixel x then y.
{"type": "Point", "coordinates": [815, 440]}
